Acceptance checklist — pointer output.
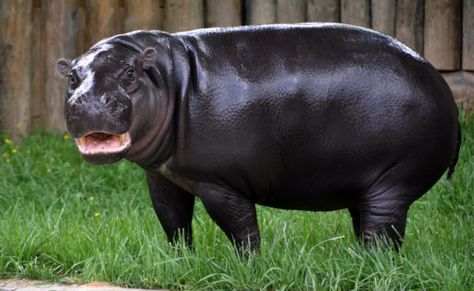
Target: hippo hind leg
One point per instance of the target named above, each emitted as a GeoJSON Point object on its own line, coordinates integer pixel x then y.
{"type": "Point", "coordinates": [383, 221]}
{"type": "Point", "coordinates": [355, 215]}
{"type": "Point", "coordinates": [383, 207]}
{"type": "Point", "coordinates": [381, 212]}
{"type": "Point", "coordinates": [371, 223]}
{"type": "Point", "coordinates": [234, 214]}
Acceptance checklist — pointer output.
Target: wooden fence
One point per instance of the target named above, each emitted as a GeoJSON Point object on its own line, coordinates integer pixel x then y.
{"type": "Point", "coordinates": [35, 33]}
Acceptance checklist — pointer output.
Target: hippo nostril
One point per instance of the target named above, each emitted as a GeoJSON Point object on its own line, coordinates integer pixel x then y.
{"type": "Point", "coordinates": [106, 99]}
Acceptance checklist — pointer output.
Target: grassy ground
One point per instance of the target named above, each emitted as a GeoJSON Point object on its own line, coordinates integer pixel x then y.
{"type": "Point", "coordinates": [64, 220]}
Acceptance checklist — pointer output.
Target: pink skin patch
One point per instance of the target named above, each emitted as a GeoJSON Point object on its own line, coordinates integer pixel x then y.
{"type": "Point", "coordinates": [100, 143]}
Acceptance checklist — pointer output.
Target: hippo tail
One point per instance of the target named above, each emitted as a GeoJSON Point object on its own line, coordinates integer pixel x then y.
{"type": "Point", "coordinates": [454, 160]}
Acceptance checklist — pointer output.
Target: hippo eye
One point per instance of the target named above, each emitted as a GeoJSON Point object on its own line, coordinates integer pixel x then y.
{"type": "Point", "coordinates": [130, 75]}
{"type": "Point", "coordinates": [72, 81]}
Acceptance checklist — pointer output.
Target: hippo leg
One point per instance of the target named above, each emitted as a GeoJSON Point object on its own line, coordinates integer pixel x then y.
{"type": "Point", "coordinates": [384, 222]}
{"type": "Point", "coordinates": [383, 207]}
{"type": "Point", "coordinates": [355, 215]}
{"type": "Point", "coordinates": [234, 214]}
{"type": "Point", "coordinates": [173, 206]}
{"type": "Point", "coordinates": [383, 213]}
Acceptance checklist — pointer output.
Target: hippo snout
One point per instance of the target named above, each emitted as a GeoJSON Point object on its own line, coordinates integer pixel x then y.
{"type": "Point", "coordinates": [109, 112]}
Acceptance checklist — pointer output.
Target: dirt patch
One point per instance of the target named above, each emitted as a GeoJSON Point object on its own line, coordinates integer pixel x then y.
{"type": "Point", "coordinates": [20, 282]}
{"type": "Point", "coordinates": [96, 284]}
{"type": "Point", "coordinates": [35, 285]}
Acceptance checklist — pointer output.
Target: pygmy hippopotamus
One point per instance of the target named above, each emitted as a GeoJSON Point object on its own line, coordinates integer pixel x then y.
{"type": "Point", "coordinates": [311, 116]}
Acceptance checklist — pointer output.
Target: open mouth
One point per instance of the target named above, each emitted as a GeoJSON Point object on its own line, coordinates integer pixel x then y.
{"type": "Point", "coordinates": [100, 143]}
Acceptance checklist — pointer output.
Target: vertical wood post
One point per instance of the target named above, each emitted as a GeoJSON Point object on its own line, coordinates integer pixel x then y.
{"type": "Point", "coordinates": [104, 19]}
{"type": "Point", "coordinates": [82, 28]}
{"type": "Point", "coordinates": [15, 66]}
{"type": "Point", "coordinates": [356, 12]}
{"type": "Point", "coordinates": [38, 70]}
{"type": "Point", "coordinates": [261, 11]}
{"type": "Point", "coordinates": [290, 11]}
{"type": "Point", "coordinates": [60, 21]}
{"type": "Point", "coordinates": [468, 36]}
{"type": "Point", "coordinates": [142, 14]}
{"type": "Point", "coordinates": [443, 33]}
{"type": "Point", "coordinates": [323, 11]}
{"type": "Point", "coordinates": [410, 23]}
{"type": "Point", "coordinates": [383, 16]}
{"type": "Point", "coordinates": [223, 13]}
{"type": "Point", "coordinates": [181, 15]}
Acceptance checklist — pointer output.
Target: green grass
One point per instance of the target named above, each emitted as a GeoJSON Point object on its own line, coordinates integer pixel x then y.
{"type": "Point", "coordinates": [66, 221]}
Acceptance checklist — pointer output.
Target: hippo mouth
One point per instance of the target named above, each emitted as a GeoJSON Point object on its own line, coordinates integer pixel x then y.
{"type": "Point", "coordinates": [102, 143]}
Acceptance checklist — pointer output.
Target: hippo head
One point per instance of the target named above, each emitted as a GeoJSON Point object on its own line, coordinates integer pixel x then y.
{"type": "Point", "coordinates": [114, 100]}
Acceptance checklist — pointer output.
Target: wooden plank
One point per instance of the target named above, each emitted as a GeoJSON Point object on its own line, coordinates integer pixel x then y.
{"type": "Point", "coordinates": [290, 11]}
{"type": "Point", "coordinates": [142, 14]}
{"type": "Point", "coordinates": [468, 36]}
{"type": "Point", "coordinates": [223, 13]}
{"type": "Point", "coordinates": [15, 77]}
{"type": "Point", "coordinates": [104, 19]}
{"type": "Point", "coordinates": [323, 11]}
{"type": "Point", "coordinates": [383, 16]}
{"type": "Point", "coordinates": [356, 12]}
{"type": "Point", "coordinates": [81, 31]}
{"type": "Point", "coordinates": [462, 86]}
{"type": "Point", "coordinates": [38, 71]}
{"type": "Point", "coordinates": [61, 23]}
{"type": "Point", "coordinates": [261, 11]}
{"type": "Point", "coordinates": [443, 33]}
{"type": "Point", "coordinates": [3, 56]}
{"type": "Point", "coordinates": [182, 15]}
{"type": "Point", "coordinates": [410, 23]}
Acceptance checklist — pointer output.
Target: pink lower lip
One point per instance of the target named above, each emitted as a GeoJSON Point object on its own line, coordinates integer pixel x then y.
{"type": "Point", "coordinates": [103, 143]}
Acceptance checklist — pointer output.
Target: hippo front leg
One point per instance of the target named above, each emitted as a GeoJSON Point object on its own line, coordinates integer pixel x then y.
{"type": "Point", "coordinates": [173, 206]}
{"type": "Point", "coordinates": [234, 214]}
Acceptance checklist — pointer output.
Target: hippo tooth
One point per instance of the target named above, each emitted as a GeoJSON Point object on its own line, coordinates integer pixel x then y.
{"type": "Point", "coordinates": [82, 140]}
{"type": "Point", "coordinates": [122, 138]}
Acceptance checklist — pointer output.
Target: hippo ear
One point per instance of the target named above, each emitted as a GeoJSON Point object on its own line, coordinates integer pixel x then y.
{"type": "Point", "coordinates": [148, 58]}
{"type": "Point", "coordinates": [63, 67]}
